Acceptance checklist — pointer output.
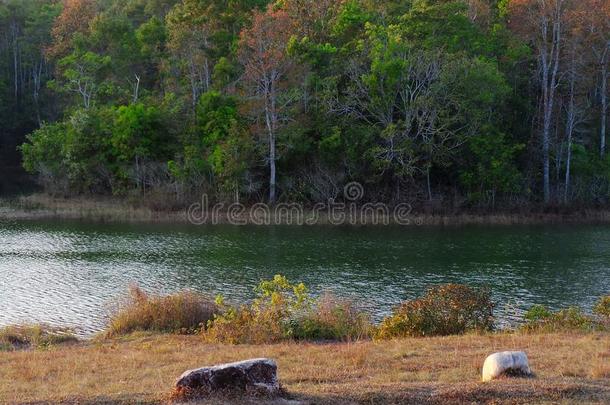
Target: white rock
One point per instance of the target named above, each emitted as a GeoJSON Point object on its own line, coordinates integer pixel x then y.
{"type": "Point", "coordinates": [506, 363]}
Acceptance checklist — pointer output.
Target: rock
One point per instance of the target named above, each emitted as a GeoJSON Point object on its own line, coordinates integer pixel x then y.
{"type": "Point", "coordinates": [512, 364]}
{"type": "Point", "coordinates": [257, 376]}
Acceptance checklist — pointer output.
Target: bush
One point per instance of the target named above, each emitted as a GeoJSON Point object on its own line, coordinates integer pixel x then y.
{"type": "Point", "coordinates": [445, 310]}
{"type": "Point", "coordinates": [541, 319]}
{"type": "Point", "coordinates": [537, 313]}
{"type": "Point", "coordinates": [268, 319]}
{"type": "Point", "coordinates": [33, 336]}
{"type": "Point", "coordinates": [285, 311]}
{"type": "Point", "coordinates": [602, 307]}
{"type": "Point", "coordinates": [184, 312]}
{"type": "Point", "coordinates": [333, 319]}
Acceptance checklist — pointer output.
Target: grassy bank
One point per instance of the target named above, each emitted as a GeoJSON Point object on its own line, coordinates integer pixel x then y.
{"type": "Point", "coordinates": [99, 209]}
{"type": "Point", "coordinates": [327, 350]}
{"type": "Point", "coordinates": [570, 368]}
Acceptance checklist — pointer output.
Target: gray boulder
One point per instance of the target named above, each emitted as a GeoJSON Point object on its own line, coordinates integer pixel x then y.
{"type": "Point", "coordinates": [257, 376]}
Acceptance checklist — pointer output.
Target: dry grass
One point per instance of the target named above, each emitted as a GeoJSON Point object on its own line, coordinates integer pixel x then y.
{"type": "Point", "coordinates": [143, 368]}
{"type": "Point", "coordinates": [43, 206]}
{"type": "Point", "coordinates": [21, 337]}
{"type": "Point", "coordinates": [185, 312]}
{"type": "Point", "coordinates": [334, 319]}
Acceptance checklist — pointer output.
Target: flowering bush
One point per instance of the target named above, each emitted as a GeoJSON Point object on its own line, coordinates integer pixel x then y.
{"type": "Point", "coordinates": [267, 320]}
{"type": "Point", "coordinates": [285, 311]}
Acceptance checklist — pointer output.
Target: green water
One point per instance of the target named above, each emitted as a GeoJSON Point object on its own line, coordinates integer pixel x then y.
{"type": "Point", "coordinates": [71, 273]}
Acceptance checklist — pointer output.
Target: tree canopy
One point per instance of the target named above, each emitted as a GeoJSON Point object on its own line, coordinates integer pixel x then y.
{"type": "Point", "coordinates": [465, 103]}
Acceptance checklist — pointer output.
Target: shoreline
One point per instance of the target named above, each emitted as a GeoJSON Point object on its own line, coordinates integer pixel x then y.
{"type": "Point", "coordinates": [41, 207]}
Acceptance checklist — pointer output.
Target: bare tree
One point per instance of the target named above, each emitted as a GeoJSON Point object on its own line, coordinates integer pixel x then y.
{"type": "Point", "coordinates": [266, 66]}
{"type": "Point", "coordinates": [575, 108]}
{"type": "Point", "coordinates": [542, 23]}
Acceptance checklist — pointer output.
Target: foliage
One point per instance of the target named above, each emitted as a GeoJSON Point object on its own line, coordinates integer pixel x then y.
{"type": "Point", "coordinates": [419, 100]}
{"type": "Point", "coordinates": [41, 152]}
{"type": "Point", "coordinates": [268, 319]}
{"type": "Point", "coordinates": [493, 169]}
{"type": "Point", "coordinates": [541, 319]}
{"type": "Point", "coordinates": [285, 311]}
{"type": "Point", "coordinates": [185, 313]}
{"type": "Point", "coordinates": [100, 149]}
{"type": "Point", "coordinates": [224, 141]}
{"type": "Point", "coordinates": [444, 310]}
{"type": "Point", "coordinates": [602, 307]}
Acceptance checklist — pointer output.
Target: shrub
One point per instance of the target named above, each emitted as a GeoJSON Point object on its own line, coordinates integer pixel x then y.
{"type": "Point", "coordinates": [267, 320]}
{"type": "Point", "coordinates": [602, 307]}
{"type": "Point", "coordinates": [541, 319]}
{"type": "Point", "coordinates": [333, 319]}
{"type": "Point", "coordinates": [184, 312]}
{"type": "Point", "coordinates": [33, 336]}
{"type": "Point", "coordinates": [537, 313]}
{"type": "Point", "coordinates": [444, 310]}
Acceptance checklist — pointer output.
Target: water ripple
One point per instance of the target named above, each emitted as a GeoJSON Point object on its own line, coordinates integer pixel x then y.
{"type": "Point", "coordinates": [70, 274]}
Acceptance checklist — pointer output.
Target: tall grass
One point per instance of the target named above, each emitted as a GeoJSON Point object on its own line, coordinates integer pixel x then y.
{"type": "Point", "coordinates": [185, 312]}
{"type": "Point", "coordinates": [333, 319]}
{"type": "Point", "coordinates": [21, 337]}
{"type": "Point", "coordinates": [157, 208]}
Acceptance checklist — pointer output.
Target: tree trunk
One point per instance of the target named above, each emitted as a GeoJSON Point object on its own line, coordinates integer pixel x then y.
{"type": "Point", "coordinates": [428, 183]}
{"type": "Point", "coordinates": [604, 106]}
{"type": "Point", "coordinates": [271, 121]}
{"type": "Point", "coordinates": [272, 170]}
{"type": "Point", "coordinates": [570, 125]}
{"type": "Point", "coordinates": [569, 132]}
{"type": "Point", "coordinates": [549, 60]}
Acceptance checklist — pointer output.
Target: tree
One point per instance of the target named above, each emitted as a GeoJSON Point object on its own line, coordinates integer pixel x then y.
{"type": "Point", "coordinates": [593, 19]}
{"type": "Point", "coordinates": [82, 73]}
{"type": "Point", "coordinates": [313, 19]}
{"type": "Point", "coordinates": [263, 54]}
{"type": "Point", "coordinates": [493, 169]}
{"type": "Point", "coordinates": [74, 19]}
{"type": "Point", "coordinates": [425, 102]}
{"type": "Point", "coordinates": [541, 22]}
{"type": "Point", "coordinates": [227, 146]}
{"type": "Point", "coordinates": [574, 104]}
{"type": "Point", "coordinates": [190, 43]}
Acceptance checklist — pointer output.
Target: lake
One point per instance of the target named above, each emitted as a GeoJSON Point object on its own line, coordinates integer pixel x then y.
{"type": "Point", "coordinates": [70, 274]}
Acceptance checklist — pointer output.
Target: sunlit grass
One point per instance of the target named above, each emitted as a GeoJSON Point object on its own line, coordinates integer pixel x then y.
{"type": "Point", "coordinates": [20, 337]}
{"type": "Point", "coordinates": [570, 368]}
{"type": "Point", "coordinates": [184, 312]}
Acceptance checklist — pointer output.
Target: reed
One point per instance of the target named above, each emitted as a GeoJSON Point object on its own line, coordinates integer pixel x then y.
{"type": "Point", "coordinates": [185, 312]}
{"type": "Point", "coordinates": [38, 336]}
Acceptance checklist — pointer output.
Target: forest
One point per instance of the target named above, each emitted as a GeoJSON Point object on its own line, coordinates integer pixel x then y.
{"type": "Point", "coordinates": [448, 104]}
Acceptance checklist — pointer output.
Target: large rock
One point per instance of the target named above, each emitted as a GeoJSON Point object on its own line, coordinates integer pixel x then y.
{"type": "Point", "coordinates": [257, 376]}
{"type": "Point", "coordinates": [512, 364]}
